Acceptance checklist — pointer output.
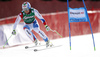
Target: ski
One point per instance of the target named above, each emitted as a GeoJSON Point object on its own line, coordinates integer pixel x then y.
{"type": "Point", "coordinates": [46, 48]}
{"type": "Point", "coordinates": [26, 47]}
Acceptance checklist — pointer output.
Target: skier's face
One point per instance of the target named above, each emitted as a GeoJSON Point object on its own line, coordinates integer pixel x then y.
{"type": "Point", "coordinates": [26, 11]}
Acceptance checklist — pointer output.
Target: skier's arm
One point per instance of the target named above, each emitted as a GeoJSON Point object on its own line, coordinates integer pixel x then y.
{"type": "Point", "coordinates": [15, 24]}
{"type": "Point", "coordinates": [42, 19]}
{"type": "Point", "coordinates": [39, 16]}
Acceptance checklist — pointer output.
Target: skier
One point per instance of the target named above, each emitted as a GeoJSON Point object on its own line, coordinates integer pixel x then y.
{"type": "Point", "coordinates": [28, 15]}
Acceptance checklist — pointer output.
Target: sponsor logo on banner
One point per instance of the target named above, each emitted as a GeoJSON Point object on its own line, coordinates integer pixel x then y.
{"type": "Point", "coordinates": [76, 12]}
{"type": "Point", "coordinates": [77, 15]}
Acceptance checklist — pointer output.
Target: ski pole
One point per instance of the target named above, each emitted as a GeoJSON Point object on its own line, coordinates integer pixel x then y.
{"type": "Point", "coordinates": [7, 41]}
{"type": "Point", "coordinates": [56, 32]}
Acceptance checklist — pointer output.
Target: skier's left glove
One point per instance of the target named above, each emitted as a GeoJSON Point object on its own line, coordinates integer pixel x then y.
{"type": "Point", "coordinates": [47, 28]}
{"type": "Point", "coordinates": [14, 32]}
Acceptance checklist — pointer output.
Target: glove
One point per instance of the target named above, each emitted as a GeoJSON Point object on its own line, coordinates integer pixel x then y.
{"type": "Point", "coordinates": [47, 28]}
{"type": "Point", "coordinates": [14, 32]}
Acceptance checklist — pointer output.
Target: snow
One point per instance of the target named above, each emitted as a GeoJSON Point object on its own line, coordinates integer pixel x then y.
{"type": "Point", "coordinates": [82, 46]}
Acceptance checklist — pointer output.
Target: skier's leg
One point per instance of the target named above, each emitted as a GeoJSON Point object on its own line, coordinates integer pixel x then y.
{"type": "Point", "coordinates": [43, 35]}
{"type": "Point", "coordinates": [29, 33]}
{"type": "Point", "coordinates": [40, 32]}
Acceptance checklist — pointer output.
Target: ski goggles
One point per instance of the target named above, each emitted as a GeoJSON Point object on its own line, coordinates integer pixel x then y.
{"type": "Point", "coordinates": [25, 9]}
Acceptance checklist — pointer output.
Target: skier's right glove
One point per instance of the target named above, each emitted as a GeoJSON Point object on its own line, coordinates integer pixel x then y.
{"type": "Point", "coordinates": [47, 28]}
{"type": "Point", "coordinates": [14, 32]}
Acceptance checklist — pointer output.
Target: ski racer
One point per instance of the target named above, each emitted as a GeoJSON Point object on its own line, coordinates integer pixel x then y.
{"type": "Point", "coordinates": [28, 15]}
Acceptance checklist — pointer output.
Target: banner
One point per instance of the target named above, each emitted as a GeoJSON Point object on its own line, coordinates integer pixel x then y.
{"type": "Point", "coordinates": [77, 15]}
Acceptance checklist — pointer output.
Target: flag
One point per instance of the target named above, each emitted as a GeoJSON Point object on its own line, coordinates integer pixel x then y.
{"type": "Point", "coordinates": [77, 15]}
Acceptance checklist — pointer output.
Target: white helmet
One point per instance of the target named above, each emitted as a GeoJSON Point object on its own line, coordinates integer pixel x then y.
{"type": "Point", "coordinates": [26, 6]}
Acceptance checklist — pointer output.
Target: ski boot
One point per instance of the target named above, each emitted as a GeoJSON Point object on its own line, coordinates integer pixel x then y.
{"type": "Point", "coordinates": [36, 42]}
{"type": "Point", "coordinates": [49, 44]}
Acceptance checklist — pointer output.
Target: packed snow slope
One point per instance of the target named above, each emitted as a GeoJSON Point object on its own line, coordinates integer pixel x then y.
{"type": "Point", "coordinates": [82, 46]}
